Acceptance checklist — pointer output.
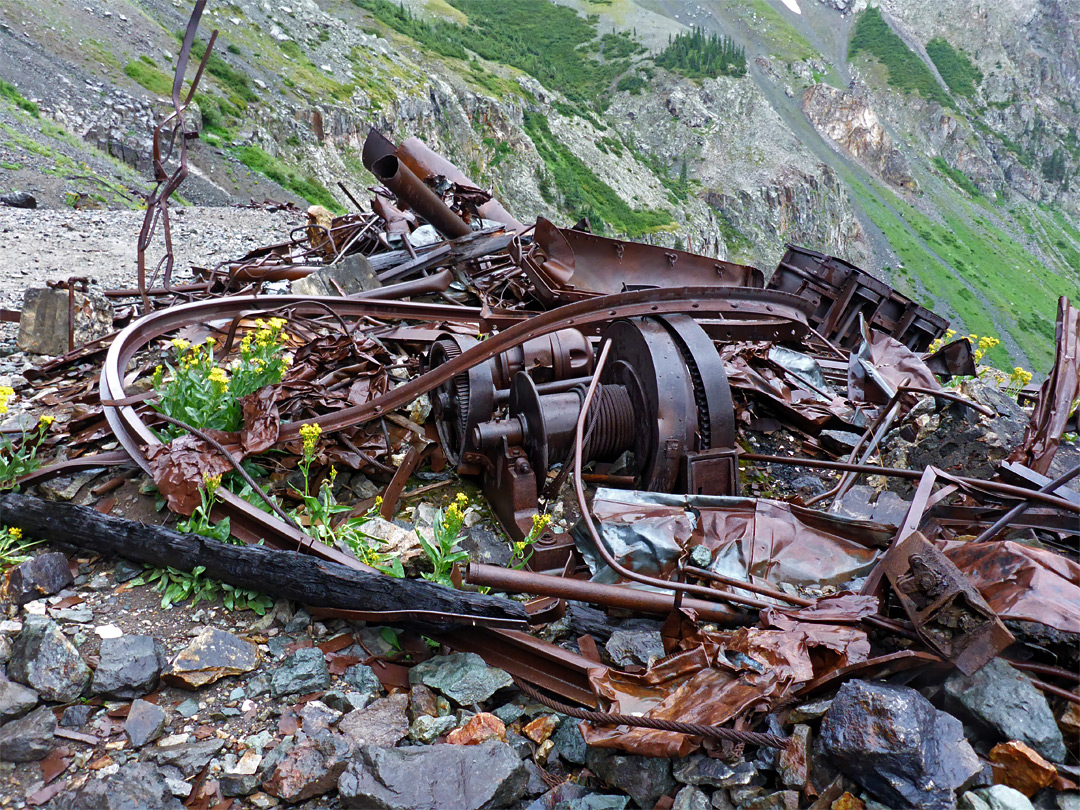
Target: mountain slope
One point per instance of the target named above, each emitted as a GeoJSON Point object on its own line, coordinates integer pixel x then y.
{"type": "Point", "coordinates": [867, 133]}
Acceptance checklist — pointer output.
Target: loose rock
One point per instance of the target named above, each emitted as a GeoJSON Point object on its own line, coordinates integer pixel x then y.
{"type": "Point", "coordinates": [29, 738]}
{"type": "Point", "coordinates": [630, 647]}
{"type": "Point", "coordinates": [569, 744]}
{"type": "Point", "coordinates": [45, 660]}
{"type": "Point", "coordinates": [303, 672]}
{"type": "Point", "coordinates": [384, 722]}
{"type": "Point", "coordinates": [700, 769]}
{"type": "Point", "coordinates": [462, 677]}
{"type": "Point", "coordinates": [214, 654]}
{"type": "Point", "coordinates": [691, 798]}
{"type": "Point", "coordinates": [189, 757]}
{"type": "Point", "coordinates": [309, 767]}
{"type": "Point", "coordinates": [480, 728]}
{"type": "Point", "coordinates": [1001, 697]}
{"type": "Point", "coordinates": [893, 742]}
{"type": "Point", "coordinates": [135, 785]}
{"type": "Point", "coordinates": [144, 723]}
{"type": "Point", "coordinates": [129, 667]}
{"type": "Point", "coordinates": [15, 700]}
{"type": "Point", "coordinates": [472, 777]}
{"type": "Point", "coordinates": [426, 728]}
{"type": "Point", "coordinates": [1021, 767]}
{"type": "Point", "coordinates": [646, 779]}
{"type": "Point", "coordinates": [40, 576]}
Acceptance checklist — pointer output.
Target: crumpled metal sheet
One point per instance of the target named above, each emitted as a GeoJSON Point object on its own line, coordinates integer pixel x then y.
{"type": "Point", "coordinates": [713, 678]}
{"type": "Point", "coordinates": [1057, 395]}
{"type": "Point", "coordinates": [1020, 582]}
{"type": "Point", "coordinates": [882, 365]}
{"type": "Point", "coordinates": [179, 466]}
{"type": "Point", "coordinates": [755, 540]}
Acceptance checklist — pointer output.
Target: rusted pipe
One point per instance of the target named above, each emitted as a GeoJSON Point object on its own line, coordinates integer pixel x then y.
{"type": "Point", "coordinates": [411, 190]}
{"type": "Point", "coordinates": [1021, 507]}
{"type": "Point", "coordinates": [511, 580]}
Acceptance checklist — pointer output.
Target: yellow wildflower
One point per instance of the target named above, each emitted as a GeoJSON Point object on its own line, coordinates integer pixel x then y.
{"type": "Point", "coordinates": [277, 323]}
{"type": "Point", "coordinates": [310, 435]}
{"type": "Point", "coordinates": [180, 344]}
{"type": "Point", "coordinates": [15, 533]}
{"type": "Point", "coordinates": [218, 375]}
{"type": "Point", "coordinates": [6, 394]}
{"type": "Point", "coordinates": [46, 420]}
{"type": "Point", "coordinates": [540, 522]}
{"type": "Point", "coordinates": [211, 482]}
{"type": "Point", "coordinates": [211, 342]}
{"type": "Point", "coordinates": [454, 513]}
{"type": "Point", "coordinates": [462, 499]}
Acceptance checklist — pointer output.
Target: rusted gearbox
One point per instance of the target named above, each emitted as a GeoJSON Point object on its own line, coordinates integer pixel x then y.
{"type": "Point", "coordinates": [663, 411]}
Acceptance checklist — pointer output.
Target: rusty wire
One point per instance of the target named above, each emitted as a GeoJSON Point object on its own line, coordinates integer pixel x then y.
{"type": "Point", "coordinates": [633, 721]}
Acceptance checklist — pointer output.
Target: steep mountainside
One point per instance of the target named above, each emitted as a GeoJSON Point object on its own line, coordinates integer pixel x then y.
{"type": "Point", "coordinates": [933, 143]}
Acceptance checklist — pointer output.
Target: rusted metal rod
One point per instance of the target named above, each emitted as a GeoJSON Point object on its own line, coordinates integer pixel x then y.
{"type": "Point", "coordinates": [511, 580]}
{"type": "Point", "coordinates": [1022, 507]}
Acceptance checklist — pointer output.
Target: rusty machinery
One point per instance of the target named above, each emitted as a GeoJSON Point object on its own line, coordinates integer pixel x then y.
{"type": "Point", "coordinates": [663, 407]}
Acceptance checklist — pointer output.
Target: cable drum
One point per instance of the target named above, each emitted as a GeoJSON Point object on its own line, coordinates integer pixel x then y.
{"type": "Point", "coordinates": [611, 424]}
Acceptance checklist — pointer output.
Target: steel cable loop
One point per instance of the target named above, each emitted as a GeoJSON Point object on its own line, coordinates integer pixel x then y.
{"type": "Point", "coordinates": [609, 719]}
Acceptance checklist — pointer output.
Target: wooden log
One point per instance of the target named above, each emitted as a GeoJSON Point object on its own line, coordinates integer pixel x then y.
{"type": "Point", "coordinates": [290, 574]}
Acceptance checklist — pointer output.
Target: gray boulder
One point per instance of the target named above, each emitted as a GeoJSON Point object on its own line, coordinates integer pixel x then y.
{"type": "Point", "coordinates": [43, 659]}
{"type": "Point", "coordinates": [15, 700]}
{"type": "Point", "coordinates": [646, 779]}
{"type": "Point", "coordinates": [29, 738]}
{"type": "Point", "coordinates": [136, 786]}
{"type": "Point", "coordinates": [129, 668]}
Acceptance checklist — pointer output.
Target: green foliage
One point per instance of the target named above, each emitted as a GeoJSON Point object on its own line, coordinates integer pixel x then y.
{"type": "Point", "coordinates": [231, 79]}
{"type": "Point", "coordinates": [956, 68]}
{"type": "Point", "coordinates": [550, 42]}
{"type": "Point", "coordinates": [149, 77]}
{"type": "Point", "coordinates": [632, 83]}
{"type": "Point", "coordinates": [178, 586]}
{"type": "Point", "coordinates": [956, 176]}
{"type": "Point", "coordinates": [204, 395]}
{"type": "Point", "coordinates": [11, 93]}
{"type": "Point", "coordinates": [441, 553]}
{"type": "Point", "coordinates": [307, 187]}
{"type": "Point", "coordinates": [699, 55]}
{"type": "Point", "coordinates": [199, 523]}
{"type": "Point", "coordinates": [19, 458]}
{"type": "Point", "coordinates": [907, 72]}
{"type": "Point", "coordinates": [13, 547]}
{"type": "Point", "coordinates": [583, 193]}
{"type": "Point", "coordinates": [1055, 169]}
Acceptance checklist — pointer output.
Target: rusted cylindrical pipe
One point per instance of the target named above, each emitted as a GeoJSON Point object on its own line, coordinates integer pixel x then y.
{"type": "Point", "coordinates": [510, 580]}
{"type": "Point", "coordinates": [411, 190]}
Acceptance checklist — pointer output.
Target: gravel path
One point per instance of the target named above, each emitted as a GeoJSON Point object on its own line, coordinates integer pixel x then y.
{"type": "Point", "coordinates": [45, 245]}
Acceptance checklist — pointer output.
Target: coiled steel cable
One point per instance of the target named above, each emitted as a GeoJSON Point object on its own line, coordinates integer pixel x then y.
{"type": "Point", "coordinates": [694, 729]}
{"type": "Point", "coordinates": [611, 424]}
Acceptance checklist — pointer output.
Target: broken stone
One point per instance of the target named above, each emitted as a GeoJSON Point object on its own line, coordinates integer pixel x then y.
{"type": "Point", "coordinates": [809, 711]}
{"type": "Point", "coordinates": [848, 801]}
{"type": "Point", "coordinates": [40, 576]}
{"type": "Point", "coordinates": [129, 667]}
{"type": "Point", "coordinates": [646, 779]}
{"type": "Point", "coordinates": [134, 785]}
{"type": "Point", "coordinates": [569, 744]}
{"type": "Point", "coordinates": [384, 722]}
{"type": "Point", "coordinates": [144, 723]}
{"type": "Point", "coordinates": [19, 199]}
{"type": "Point", "coordinates": [317, 715]}
{"type": "Point", "coordinates": [76, 716]}
{"type": "Point", "coordinates": [43, 319]}
{"type": "Point", "coordinates": [691, 798]}
{"type": "Point", "coordinates": [30, 738]}
{"type": "Point", "coordinates": [43, 659]}
{"type": "Point", "coordinates": [793, 763]}
{"type": "Point", "coordinates": [427, 728]}
{"type": "Point", "coordinates": [480, 728]}
{"type": "Point", "coordinates": [310, 767]}
{"type": "Point", "coordinates": [189, 757]}
{"type": "Point", "coordinates": [488, 775]}
{"type": "Point", "coordinates": [243, 777]}
{"type": "Point", "coordinates": [303, 672]}
{"type": "Point", "coordinates": [630, 647]}
{"type": "Point", "coordinates": [781, 800]}
{"type": "Point", "coordinates": [15, 700]}
{"type": "Point", "coordinates": [422, 702]}
{"type": "Point", "coordinates": [1021, 767]}
{"type": "Point", "coordinates": [595, 801]}
{"type": "Point", "coordinates": [214, 654]}
{"type": "Point", "coordinates": [541, 728]}
{"type": "Point", "coordinates": [462, 677]}
{"type": "Point", "coordinates": [700, 769]}
{"type": "Point", "coordinates": [364, 681]}
{"type": "Point", "coordinates": [1001, 697]}
{"type": "Point", "coordinates": [351, 275]}
{"type": "Point", "coordinates": [997, 797]}
{"type": "Point", "coordinates": [893, 742]}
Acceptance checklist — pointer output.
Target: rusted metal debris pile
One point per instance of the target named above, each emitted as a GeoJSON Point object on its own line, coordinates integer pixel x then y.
{"type": "Point", "coordinates": [618, 384]}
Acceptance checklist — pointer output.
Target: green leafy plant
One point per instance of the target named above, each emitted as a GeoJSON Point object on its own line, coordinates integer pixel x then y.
{"type": "Point", "coordinates": [203, 394]}
{"type": "Point", "coordinates": [199, 522]}
{"type": "Point", "coordinates": [13, 548]}
{"type": "Point", "coordinates": [523, 550]}
{"type": "Point", "coordinates": [19, 458]}
{"type": "Point", "coordinates": [441, 553]}
{"type": "Point", "coordinates": [178, 586]}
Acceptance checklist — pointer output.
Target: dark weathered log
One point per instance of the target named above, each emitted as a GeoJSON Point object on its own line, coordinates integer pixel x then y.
{"type": "Point", "coordinates": [289, 574]}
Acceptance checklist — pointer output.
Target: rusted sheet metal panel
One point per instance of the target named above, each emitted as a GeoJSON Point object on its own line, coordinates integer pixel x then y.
{"type": "Point", "coordinates": [1056, 396]}
{"type": "Point", "coordinates": [841, 292]}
